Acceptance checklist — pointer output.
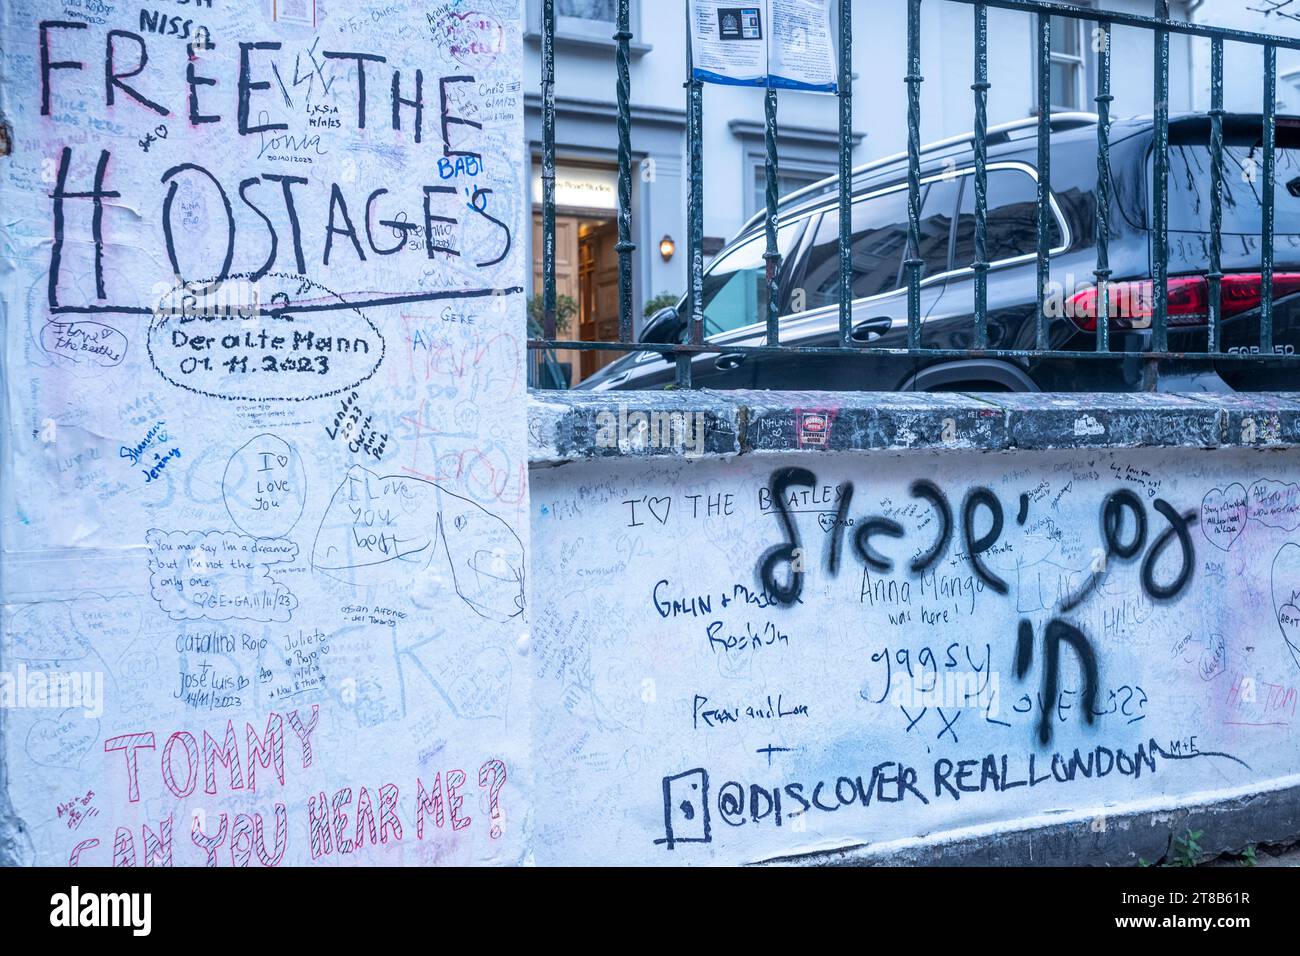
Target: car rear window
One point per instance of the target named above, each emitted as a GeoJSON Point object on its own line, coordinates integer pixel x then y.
{"type": "Point", "coordinates": [1012, 218]}
{"type": "Point", "coordinates": [1243, 184]}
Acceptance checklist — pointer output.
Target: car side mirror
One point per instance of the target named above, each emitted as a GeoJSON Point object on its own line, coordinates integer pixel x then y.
{"type": "Point", "coordinates": [665, 327]}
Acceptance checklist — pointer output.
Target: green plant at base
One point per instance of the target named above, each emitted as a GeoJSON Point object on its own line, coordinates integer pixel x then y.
{"type": "Point", "coordinates": [1188, 849]}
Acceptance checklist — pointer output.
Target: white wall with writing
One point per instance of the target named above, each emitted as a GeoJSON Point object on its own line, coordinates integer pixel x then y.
{"type": "Point", "coordinates": [264, 476]}
{"type": "Point", "coordinates": [975, 640]}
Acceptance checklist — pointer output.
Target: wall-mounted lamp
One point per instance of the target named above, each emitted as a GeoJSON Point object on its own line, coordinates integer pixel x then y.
{"type": "Point", "coordinates": [667, 247]}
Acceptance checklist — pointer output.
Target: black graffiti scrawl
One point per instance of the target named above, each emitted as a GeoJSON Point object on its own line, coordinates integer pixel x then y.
{"type": "Point", "coordinates": [1125, 531]}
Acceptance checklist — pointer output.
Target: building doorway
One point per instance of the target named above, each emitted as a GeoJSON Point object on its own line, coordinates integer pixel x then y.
{"type": "Point", "coordinates": [586, 261]}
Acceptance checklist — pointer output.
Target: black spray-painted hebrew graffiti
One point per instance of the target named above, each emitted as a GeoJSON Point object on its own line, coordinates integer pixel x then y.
{"type": "Point", "coordinates": [982, 507]}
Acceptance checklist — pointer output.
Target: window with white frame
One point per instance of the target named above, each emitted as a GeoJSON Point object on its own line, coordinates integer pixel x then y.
{"type": "Point", "coordinates": [599, 10]}
{"type": "Point", "coordinates": [587, 24]}
{"type": "Point", "coordinates": [806, 155]}
{"type": "Point", "coordinates": [583, 19]}
{"type": "Point", "coordinates": [1288, 92]}
{"type": "Point", "coordinates": [1068, 87]}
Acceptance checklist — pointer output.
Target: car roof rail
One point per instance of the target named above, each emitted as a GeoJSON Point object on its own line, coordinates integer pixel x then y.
{"type": "Point", "coordinates": [1001, 133]}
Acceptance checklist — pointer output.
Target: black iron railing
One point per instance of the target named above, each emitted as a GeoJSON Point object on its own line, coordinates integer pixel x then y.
{"type": "Point", "coordinates": [1160, 25]}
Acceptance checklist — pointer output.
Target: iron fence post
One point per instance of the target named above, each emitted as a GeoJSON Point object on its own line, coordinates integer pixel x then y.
{"type": "Point", "coordinates": [981, 88]}
{"type": "Point", "coordinates": [1044, 186]}
{"type": "Point", "coordinates": [1102, 271]}
{"type": "Point", "coordinates": [548, 168]}
{"type": "Point", "coordinates": [694, 208]}
{"type": "Point", "coordinates": [625, 246]}
{"type": "Point", "coordinates": [771, 256]}
{"type": "Point", "coordinates": [846, 171]}
{"type": "Point", "coordinates": [1160, 189]}
{"type": "Point", "coordinates": [914, 262]}
{"type": "Point", "coordinates": [1267, 201]}
{"type": "Point", "coordinates": [1215, 275]}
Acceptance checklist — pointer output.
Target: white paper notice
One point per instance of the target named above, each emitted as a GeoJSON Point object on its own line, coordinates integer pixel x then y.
{"type": "Point", "coordinates": [801, 55]}
{"type": "Point", "coordinates": [777, 43]}
{"type": "Point", "coordinates": [729, 42]}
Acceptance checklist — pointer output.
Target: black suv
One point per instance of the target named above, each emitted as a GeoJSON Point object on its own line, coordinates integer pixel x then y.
{"type": "Point", "coordinates": [808, 236]}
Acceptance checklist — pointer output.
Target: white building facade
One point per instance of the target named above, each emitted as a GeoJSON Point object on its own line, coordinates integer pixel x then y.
{"type": "Point", "coordinates": [1243, 65]}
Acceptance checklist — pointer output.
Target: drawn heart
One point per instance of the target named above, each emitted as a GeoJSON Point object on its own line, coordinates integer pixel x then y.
{"type": "Point", "coordinates": [45, 632]}
{"type": "Point", "coordinates": [665, 503]}
{"type": "Point", "coordinates": [62, 741]}
{"type": "Point", "coordinates": [1285, 583]}
{"type": "Point", "coordinates": [1288, 618]}
{"type": "Point", "coordinates": [106, 621]}
{"type": "Point", "coordinates": [827, 520]}
{"type": "Point", "coordinates": [474, 39]}
{"type": "Point", "coordinates": [1223, 515]}
{"type": "Point", "coordinates": [416, 497]}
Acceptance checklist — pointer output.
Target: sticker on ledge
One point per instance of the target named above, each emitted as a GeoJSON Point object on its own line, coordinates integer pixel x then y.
{"type": "Point", "coordinates": [814, 428]}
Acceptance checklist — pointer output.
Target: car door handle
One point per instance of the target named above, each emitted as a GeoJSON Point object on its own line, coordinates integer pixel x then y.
{"type": "Point", "coordinates": [869, 329]}
{"type": "Point", "coordinates": [729, 362]}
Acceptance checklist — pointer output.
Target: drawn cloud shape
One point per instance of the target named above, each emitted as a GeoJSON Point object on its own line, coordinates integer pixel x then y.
{"type": "Point", "coordinates": [1275, 504]}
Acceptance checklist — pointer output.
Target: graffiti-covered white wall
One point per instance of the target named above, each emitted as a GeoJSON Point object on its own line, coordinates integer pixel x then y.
{"type": "Point", "coordinates": [760, 657]}
{"type": "Point", "coordinates": [264, 477]}
{"type": "Point", "coordinates": [294, 571]}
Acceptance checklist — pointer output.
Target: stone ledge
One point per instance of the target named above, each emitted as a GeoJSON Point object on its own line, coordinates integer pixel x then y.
{"type": "Point", "coordinates": [578, 426]}
{"type": "Point", "coordinates": [1110, 836]}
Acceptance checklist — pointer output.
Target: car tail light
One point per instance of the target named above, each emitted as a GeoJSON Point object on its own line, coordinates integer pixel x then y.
{"type": "Point", "coordinates": [1241, 293]}
{"type": "Point", "coordinates": [1130, 303]}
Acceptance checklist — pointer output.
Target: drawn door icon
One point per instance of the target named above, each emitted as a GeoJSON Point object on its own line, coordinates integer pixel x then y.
{"type": "Point", "coordinates": [686, 808]}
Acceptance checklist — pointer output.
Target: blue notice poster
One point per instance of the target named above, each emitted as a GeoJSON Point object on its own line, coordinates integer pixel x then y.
{"type": "Point", "coordinates": [786, 44]}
